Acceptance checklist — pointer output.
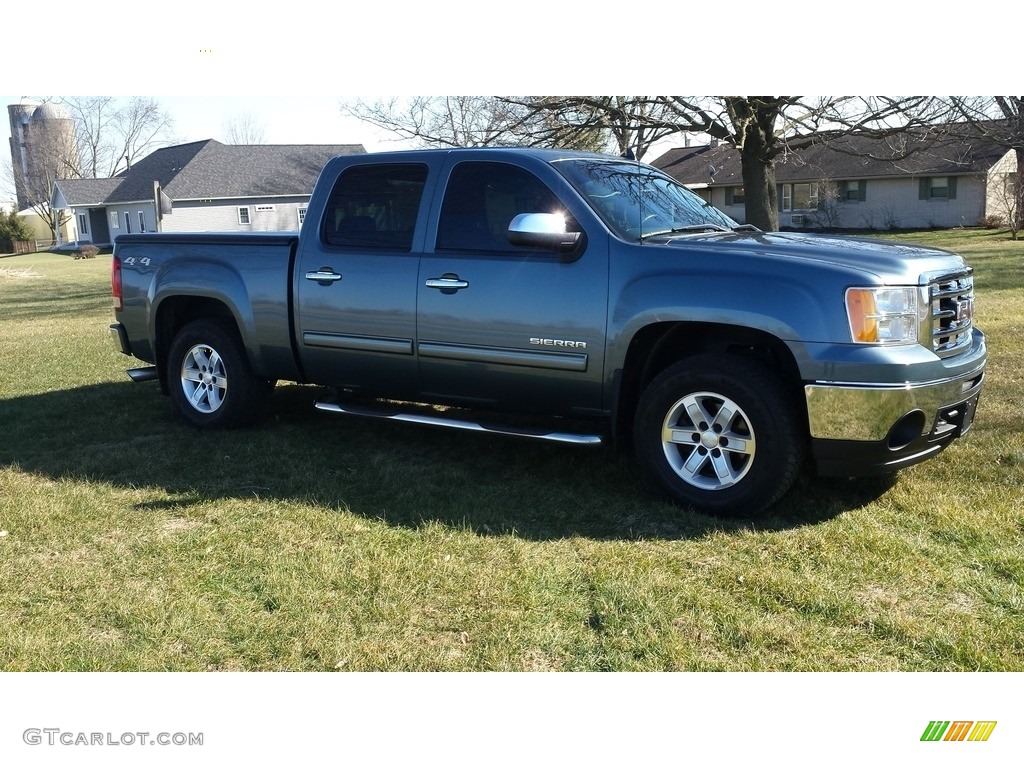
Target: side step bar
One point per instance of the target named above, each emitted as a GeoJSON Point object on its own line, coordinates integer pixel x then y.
{"type": "Point", "coordinates": [143, 374]}
{"type": "Point", "coordinates": [441, 421]}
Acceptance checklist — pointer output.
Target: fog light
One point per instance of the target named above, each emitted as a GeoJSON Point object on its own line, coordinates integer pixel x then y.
{"type": "Point", "coordinates": [906, 430]}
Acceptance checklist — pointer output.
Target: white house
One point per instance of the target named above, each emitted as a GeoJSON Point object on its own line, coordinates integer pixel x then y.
{"type": "Point", "coordinates": [204, 186]}
{"type": "Point", "coordinates": [917, 181]}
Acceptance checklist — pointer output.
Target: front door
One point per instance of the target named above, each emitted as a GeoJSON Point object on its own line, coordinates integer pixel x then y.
{"type": "Point", "coordinates": [98, 226]}
{"type": "Point", "coordinates": [502, 325]}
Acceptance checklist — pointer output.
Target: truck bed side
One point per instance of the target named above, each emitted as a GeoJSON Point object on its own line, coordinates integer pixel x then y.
{"type": "Point", "coordinates": [170, 279]}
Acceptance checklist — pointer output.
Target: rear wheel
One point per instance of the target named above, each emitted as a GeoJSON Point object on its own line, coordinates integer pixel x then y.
{"type": "Point", "coordinates": [211, 383]}
{"type": "Point", "coordinates": [719, 433]}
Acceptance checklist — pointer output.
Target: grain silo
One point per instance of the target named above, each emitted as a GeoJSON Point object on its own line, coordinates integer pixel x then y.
{"type": "Point", "coordinates": [42, 149]}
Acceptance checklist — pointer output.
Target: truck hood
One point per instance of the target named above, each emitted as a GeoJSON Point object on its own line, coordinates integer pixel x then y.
{"type": "Point", "coordinates": [890, 262]}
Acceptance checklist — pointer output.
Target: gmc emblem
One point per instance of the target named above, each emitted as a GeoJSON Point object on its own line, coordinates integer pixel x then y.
{"type": "Point", "coordinates": [964, 310]}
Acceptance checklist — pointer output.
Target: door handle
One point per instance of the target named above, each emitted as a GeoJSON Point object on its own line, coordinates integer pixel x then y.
{"type": "Point", "coordinates": [447, 283]}
{"type": "Point", "coordinates": [324, 276]}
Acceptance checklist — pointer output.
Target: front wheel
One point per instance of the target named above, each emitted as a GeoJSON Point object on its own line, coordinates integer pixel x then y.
{"type": "Point", "coordinates": [211, 384]}
{"type": "Point", "coordinates": [719, 433]}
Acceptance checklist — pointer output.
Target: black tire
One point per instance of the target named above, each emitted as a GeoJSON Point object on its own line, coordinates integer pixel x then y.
{"type": "Point", "coordinates": [210, 381]}
{"type": "Point", "coordinates": [719, 433]}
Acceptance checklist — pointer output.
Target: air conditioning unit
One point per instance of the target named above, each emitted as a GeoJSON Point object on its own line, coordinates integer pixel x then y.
{"type": "Point", "coordinates": [797, 219]}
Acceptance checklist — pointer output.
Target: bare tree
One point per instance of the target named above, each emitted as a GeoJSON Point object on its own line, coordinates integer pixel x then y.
{"type": "Point", "coordinates": [829, 209]}
{"type": "Point", "coordinates": [999, 119]}
{"type": "Point", "coordinates": [112, 136]}
{"type": "Point", "coordinates": [761, 128]}
{"type": "Point", "coordinates": [1003, 194]}
{"type": "Point", "coordinates": [478, 121]}
{"type": "Point", "coordinates": [764, 127]}
{"type": "Point", "coordinates": [93, 115]}
{"type": "Point", "coordinates": [245, 129]}
{"type": "Point", "coordinates": [623, 124]}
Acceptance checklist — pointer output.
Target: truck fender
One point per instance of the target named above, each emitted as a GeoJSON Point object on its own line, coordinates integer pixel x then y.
{"type": "Point", "coordinates": [206, 284]}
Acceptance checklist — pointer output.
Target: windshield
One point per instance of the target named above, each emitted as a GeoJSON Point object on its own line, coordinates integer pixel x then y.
{"type": "Point", "coordinates": [638, 201]}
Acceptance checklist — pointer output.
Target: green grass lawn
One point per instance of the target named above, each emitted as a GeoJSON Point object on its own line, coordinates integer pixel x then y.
{"type": "Point", "coordinates": [129, 541]}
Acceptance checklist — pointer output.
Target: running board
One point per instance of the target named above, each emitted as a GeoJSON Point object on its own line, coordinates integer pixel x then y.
{"type": "Point", "coordinates": [472, 426]}
{"type": "Point", "coordinates": [143, 374]}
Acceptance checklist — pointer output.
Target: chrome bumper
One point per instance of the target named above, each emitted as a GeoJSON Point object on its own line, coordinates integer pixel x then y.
{"type": "Point", "coordinates": [867, 412]}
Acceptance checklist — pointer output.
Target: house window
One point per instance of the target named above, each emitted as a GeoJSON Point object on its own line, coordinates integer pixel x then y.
{"type": "Point", "coordinates": [264, 208]}
{"type": "Point", "coordinates": [787, 197]}
{"type": "Point", "coordinates": [142, 221]}
{"type": "Point", "coordinates": [243, 214]}
{"type": "Point", "coordinates": [735, 196]}
{"type": "Point", "coordinates": [853, 190]}
{"type": "Point", "coordinates": [115, 223]}
{"type": "Point", "coordinates": [805, 196]}
{"type": "Point", "coordinates": [938, 188]}
{"type": "Point", "coordinates": [302, 214]}
{"type": "Point", "coordinates": [127, 222]}
{"type": "Point", "coordinates": [83, 224]}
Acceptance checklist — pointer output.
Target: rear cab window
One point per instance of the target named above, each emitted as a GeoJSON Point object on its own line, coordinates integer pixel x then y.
{"type": "Point", "coordinates": [374, 207]}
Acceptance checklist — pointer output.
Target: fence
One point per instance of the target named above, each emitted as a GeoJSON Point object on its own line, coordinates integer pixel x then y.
{"type": "Point", "coordinates": [31, 246]}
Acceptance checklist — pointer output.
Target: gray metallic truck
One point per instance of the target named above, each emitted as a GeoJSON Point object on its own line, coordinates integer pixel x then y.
{"type": "Point", "coordinates": [570, 297]}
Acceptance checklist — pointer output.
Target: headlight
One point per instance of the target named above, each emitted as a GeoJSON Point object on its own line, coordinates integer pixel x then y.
{"type": "Point", "coordinates": [882, 315]}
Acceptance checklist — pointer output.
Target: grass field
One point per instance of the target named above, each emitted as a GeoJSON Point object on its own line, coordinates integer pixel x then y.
{"type": "Point", "coordinates": [129, 541]}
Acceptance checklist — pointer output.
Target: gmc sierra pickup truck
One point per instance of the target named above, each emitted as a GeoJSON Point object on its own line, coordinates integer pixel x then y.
{"type": "Point", "coordinates": [592, 294]}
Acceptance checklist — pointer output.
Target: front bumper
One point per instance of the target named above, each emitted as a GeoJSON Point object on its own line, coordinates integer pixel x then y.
{"type": "Point", "coordinates": [863, 429]}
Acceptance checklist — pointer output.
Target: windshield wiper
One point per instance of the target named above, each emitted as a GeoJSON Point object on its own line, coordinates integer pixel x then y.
{"type": "Point", "coordinates": [746, 228]}
{"type": "Point", "coordinates": [705, 227]}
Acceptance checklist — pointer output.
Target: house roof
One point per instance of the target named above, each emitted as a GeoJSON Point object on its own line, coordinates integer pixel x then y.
{"type": "Point", "coordinates": [843, 158]}
{"type": "Point", "coordinates": [210, 170]}
{"type": "Point", "coordinates": [83, 192]}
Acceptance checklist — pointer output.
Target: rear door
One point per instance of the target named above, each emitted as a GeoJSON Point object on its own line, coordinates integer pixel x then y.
{"type": "Point", "coordinates": [356, 281]}
{"type": "Point", "coordinates": [508, 326]}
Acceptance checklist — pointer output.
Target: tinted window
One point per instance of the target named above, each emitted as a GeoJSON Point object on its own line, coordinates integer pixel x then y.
{"type": "Point", "coordinates": [482, 199]}
{"type": "Point", "coordinates": [375, 206]}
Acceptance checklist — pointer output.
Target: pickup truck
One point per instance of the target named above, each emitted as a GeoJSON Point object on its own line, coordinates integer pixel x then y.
{"type": "Point", "coordinates": [572, 297]}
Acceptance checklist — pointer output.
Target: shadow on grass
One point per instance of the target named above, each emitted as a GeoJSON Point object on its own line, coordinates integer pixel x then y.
{"type": "Point", "coordinates": [126, 435]}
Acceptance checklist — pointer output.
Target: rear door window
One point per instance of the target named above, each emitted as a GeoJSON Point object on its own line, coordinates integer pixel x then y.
{"type": "Point", "coordinates": [375, 207]}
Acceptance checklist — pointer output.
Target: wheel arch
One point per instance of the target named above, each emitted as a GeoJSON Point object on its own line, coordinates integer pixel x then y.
{"type": "Point", "coordinates": [173, 314]}
{"type": "Point", "coordinates": [657, 346]}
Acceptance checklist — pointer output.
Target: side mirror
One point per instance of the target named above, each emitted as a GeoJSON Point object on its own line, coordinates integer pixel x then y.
{"type": "Point", "coordinates": [542, 230]}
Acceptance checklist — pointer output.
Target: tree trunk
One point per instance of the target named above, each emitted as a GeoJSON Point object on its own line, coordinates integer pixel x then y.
{"type": "Point", "coordinates": [762, 208]}
{"type": "Point", "coordinates": [753, 119]}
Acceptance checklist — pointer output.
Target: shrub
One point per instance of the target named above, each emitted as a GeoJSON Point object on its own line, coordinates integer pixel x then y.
{"type": "Point", "coordinates": [12, 229]}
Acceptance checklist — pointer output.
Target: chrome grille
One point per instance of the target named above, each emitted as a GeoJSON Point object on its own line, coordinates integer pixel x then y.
{"type": "Point", "coordinates": [952, 300]}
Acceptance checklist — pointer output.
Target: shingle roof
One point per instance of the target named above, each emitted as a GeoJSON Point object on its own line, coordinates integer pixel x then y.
{"type": "Point", "coordinates": [210, 170]}
{"type": "Point", "coordinates": [82, 192]}
{"type": "Point", "coordinates": [849, 157]}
